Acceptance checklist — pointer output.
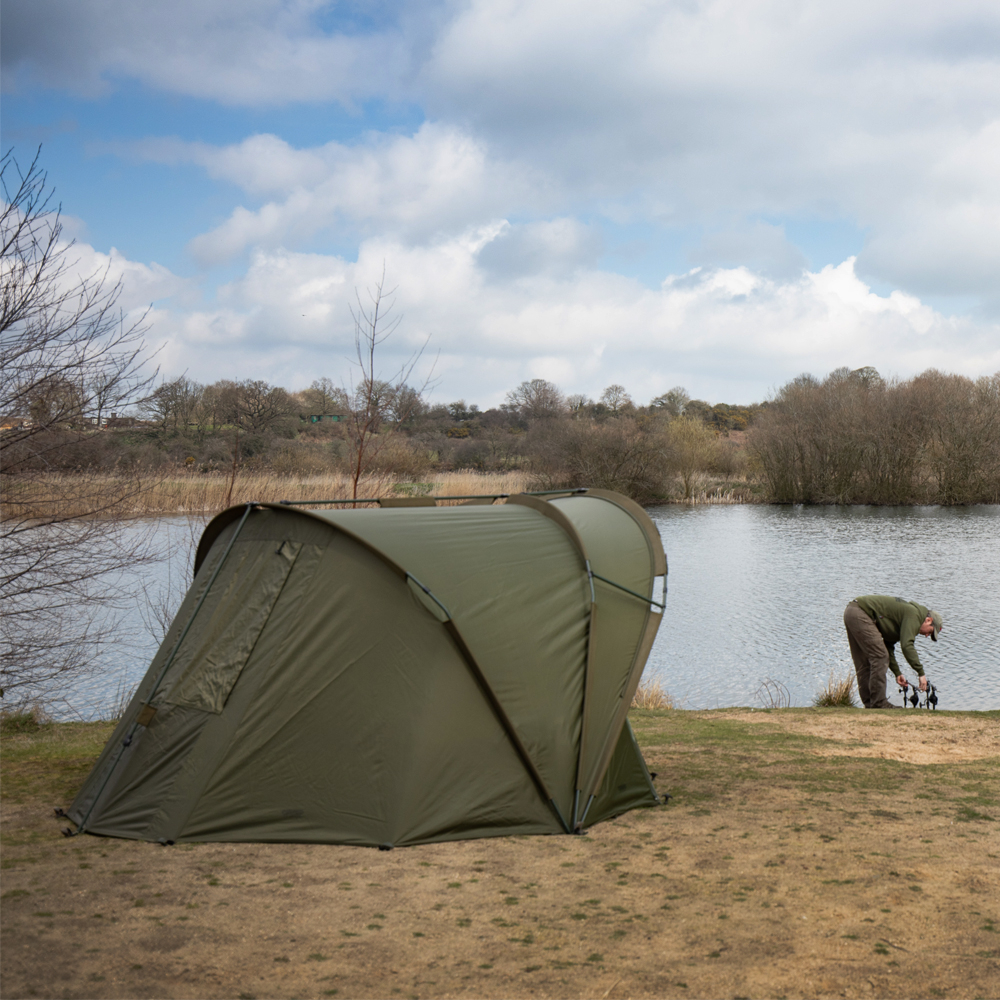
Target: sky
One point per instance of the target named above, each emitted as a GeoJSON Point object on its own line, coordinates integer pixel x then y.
{"type": "Point", "coordinates": [717, 194]}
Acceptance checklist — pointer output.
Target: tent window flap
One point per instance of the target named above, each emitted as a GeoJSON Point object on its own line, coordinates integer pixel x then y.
{"type": "Point", "coordinates": [217, 649]}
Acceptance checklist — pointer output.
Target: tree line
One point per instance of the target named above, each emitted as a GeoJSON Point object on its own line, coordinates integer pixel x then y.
{"type": "Point", "coordinates": [648, 451]}
{"type": "Point", "coordinates": [855, 437]}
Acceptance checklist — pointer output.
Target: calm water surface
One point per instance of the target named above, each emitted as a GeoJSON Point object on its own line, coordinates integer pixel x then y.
{"type": "Point", "coordinates": [754, 593]}
{"type": "Point", "coordinates": [759, 592]}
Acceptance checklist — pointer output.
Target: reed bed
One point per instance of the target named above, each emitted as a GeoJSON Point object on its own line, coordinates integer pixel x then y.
{"type": "Point", "coordinates": [64, 495]}
{"type": "Point", "coordinates": [718, 497]}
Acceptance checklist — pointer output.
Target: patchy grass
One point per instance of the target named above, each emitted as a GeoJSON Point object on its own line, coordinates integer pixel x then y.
{"type": "Point", "coordinates": [778, 869]}
{"type": "Point", "coordinates": [49, 763]}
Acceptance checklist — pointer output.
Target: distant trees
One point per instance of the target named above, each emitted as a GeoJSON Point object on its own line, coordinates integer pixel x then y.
{"type": "Point", "coordinates": [323, 396]}
{"type": "Point", "coordinates": [172, 405]}
{"type": "Point", "coordinates": [673, 402]}
{"type": "Point", "coordinates": [616, 399]}
{"type": "Point", "coordinates": [856, 438]}
{"type": "Point", "coordinates": [537, 399]}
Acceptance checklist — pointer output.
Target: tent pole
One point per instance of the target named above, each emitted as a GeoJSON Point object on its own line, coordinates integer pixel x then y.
{"type": "Point", "coordinates": [170, 659]}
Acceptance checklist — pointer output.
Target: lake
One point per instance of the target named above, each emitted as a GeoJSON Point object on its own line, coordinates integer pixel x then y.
{"type": "Point", "coordinates": [756, 593]}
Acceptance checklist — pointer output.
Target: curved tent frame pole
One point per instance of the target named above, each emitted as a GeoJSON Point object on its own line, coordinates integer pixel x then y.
{"type": "Point", "coordinates": [170, 659]}
{"type": "Point", "coordinates": [654, 608]}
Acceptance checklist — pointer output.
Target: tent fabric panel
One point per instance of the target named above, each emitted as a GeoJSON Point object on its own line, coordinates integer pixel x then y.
{"type": "Point", "coordinates": [516, 588]}
{"type": "Point", "coordinates": [625, 551]}
{"type": "Point", "coordinates": [617, 546]}
{"type": "Point", "coordinates": [626, 783]}
{"type": "Point", "coordinates": [642, 520]}
{"type": "Point", "coordinates": [365, 710]}
{"type": "Point", "coordinates": [619, 627]}
{"type": "Point", "coordinates": [632, 683]}
{"type": "Point", "coordinates": [103, 766]}
{"type": "Point", "coordinates": [104, 773]}
{"type": "Point", "coordinates": [169, 724]}
{"type": "Point", "coordinates": [145, 774]}
{"type": "Point", "coordinates": [219, 730]}
{"type": "Point", "coordinates": [215, 651]}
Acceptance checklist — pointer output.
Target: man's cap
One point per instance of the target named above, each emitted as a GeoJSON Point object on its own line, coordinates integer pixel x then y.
{"type": "Point", "coordinates": [937, 623]}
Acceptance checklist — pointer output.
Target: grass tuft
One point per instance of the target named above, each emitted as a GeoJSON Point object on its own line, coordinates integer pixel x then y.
{"type": "Point", "coordinates": [838, 693]}
{"type": "Point", "coordinates": [27, 719]}
{"type": "Point", "coordinates": [650, 695]}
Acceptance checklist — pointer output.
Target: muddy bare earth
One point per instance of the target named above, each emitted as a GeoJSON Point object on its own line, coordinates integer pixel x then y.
{"type": "Point", "coordinates": [804, 853]}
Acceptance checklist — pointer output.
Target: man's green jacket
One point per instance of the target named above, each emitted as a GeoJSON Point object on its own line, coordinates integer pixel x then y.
{"type": "Point", "coordinates": [898, 621]}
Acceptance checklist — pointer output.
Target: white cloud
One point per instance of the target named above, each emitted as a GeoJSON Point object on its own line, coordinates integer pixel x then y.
{"type": "Point", "coordinates": [883, 113]}
{"type": "Point", "coordinates": [436, 181]}
{"type": "Point", "coordinates": [706, 113]}
{"type": "Point", "coordinates": [727, 334]}
{"type": "Point", "coordinates": [142, 284]}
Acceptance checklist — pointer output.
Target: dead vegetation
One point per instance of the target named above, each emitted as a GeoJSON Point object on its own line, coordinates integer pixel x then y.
{"type": "Point", "coordinates": [208, 493]}
{"type": "Point", "coordinates": [650, 695]}
{"type": "Point", "coordinates": [838, 693]}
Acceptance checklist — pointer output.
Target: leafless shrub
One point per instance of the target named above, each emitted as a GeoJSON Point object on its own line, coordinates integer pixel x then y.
{"type": "Point", "coordinates": [773, 694]}
{"type": "Point", "coordinates": [378, 407]}
{"type": "Point", "coordinates": [301, 458]}
{"type": "Point", "coordinates": [621, 454]}
{"type": "Point", "coordinates": [689, 447]}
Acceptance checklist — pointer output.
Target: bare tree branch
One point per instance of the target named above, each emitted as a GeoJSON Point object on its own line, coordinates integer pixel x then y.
{"type": "Point", "coordinates": [68, 357]}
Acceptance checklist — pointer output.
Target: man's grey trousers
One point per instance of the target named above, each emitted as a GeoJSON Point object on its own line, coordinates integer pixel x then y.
{"type": "Point", "coordinates": [870, 655]}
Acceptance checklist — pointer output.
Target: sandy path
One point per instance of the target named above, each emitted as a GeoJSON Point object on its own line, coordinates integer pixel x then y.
{"type": "Point", "coordinates": [914, 736]}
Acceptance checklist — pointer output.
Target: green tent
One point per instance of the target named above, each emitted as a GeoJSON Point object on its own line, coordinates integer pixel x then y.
{"type": "Point", "coordinates": [394, 675]}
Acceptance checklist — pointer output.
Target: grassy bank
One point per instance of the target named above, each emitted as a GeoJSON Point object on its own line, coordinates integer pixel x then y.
{"type": "Point", "coordinates": [797, 857]}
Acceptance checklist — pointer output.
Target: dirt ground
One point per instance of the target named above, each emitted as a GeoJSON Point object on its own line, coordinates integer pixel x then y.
{"type": "Point", "coordinates": [804, 853]}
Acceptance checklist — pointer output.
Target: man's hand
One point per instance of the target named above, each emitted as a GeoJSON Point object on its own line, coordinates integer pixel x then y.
{"type": "Point", "coordinates": [923, 683]}
{"type": "Point", "coordinates": [901, 681]}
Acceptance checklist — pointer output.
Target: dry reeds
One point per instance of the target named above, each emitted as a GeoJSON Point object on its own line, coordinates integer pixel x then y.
{"type": "Point", "coordinates": [838, 693]}
{"type": "Point", "coordinates": [207, 493]}
{"type": "Point", "coordinates": [650, 695]}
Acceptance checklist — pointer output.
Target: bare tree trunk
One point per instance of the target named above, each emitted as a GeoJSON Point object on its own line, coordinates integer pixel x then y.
{"type": "Point", "coordinates": [374, 401]}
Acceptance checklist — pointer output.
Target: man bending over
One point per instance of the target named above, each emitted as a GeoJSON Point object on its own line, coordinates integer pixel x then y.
{"type": "Point", "coordinates": [874, 625]}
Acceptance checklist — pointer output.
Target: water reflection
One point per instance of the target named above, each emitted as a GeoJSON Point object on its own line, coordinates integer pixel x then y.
{"type": "Point", "coordinates": [758, 592]}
